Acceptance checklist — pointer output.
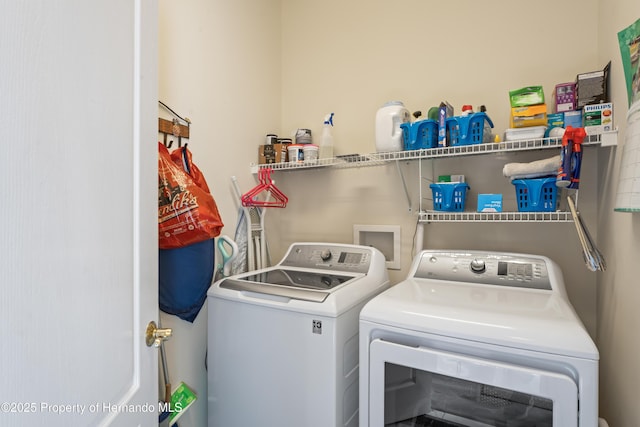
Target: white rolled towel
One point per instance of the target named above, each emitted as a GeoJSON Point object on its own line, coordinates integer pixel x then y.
{"type": "Point", "coordinates": [534, 169]}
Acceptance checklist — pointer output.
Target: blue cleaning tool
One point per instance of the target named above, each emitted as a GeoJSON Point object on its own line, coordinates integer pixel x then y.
{"type": "Point", "coordinates": [563, 179]}
{"type": "Point", "coordinates": [576, 157]}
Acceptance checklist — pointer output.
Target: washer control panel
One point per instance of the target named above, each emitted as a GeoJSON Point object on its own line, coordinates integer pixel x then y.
{"type": "Point", "coordinates": [491, 268]}
{"type": "Point", "coordinates": [348, 258]}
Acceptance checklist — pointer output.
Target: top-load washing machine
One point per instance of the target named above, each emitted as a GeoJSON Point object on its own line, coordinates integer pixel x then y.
{"type": "Point", "coordinates": [477, 339]}
{"type": "Point", "coordinates": [283, 341]}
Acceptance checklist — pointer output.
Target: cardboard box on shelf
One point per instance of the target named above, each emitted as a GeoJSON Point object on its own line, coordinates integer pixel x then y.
{"type": "Point", "coordinates": [573, 119]}
{"type": "Point", "coordinates": [598, 118]}
{"type": "Point", "coordinates": [593, 87]}
{"type": "Point", "coordinates": [529, 132]}
{"type": "Point", "coordinates": [526, 96]}
{"type": "Point", "coordinates": [451, 178]}
{"type": "Point", "coordinates": [272, 153]}
{"type": "Point", "coordinates": [445, 110]}
{"type": "Point", "coordinates": [489, 203]}
{"type": "Point", "coordinates": [564, 96]}
{"type": "Point", "coordinates": [555, 120]}
{"type": "Point", "coordinates": [534, 115]}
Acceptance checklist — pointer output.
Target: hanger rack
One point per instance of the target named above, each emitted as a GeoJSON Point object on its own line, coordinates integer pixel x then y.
{"type": "Point", "coordinates": [265, 185]}
{"type": "Point", "coordinates": [173, 127]}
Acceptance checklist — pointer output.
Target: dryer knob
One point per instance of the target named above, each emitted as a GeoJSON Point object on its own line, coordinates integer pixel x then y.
{"type": "Point", "coordinates": [325, 255]}
{"type": "Point", "coordinates": [478, 266]}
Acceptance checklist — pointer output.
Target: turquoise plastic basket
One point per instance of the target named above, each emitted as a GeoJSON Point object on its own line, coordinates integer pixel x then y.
{"type": "Point", "coordinates": [536, 195]}
{"type": "Point", "coordinates": [467, 130]}
{"type": "Point", "coordinates": [449, 196]}
{"type": "Point", "coordinates": [420, 134]}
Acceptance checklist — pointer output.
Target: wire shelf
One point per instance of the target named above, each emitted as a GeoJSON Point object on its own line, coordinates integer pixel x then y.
{"type": "Point", "coordinates": [436, 216]}
{"type": "Point", "coordinates": [377, 159]}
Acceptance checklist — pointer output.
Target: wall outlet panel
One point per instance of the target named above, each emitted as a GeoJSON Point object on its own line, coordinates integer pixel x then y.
{"type": "Point", "coordinates": [385, 238]}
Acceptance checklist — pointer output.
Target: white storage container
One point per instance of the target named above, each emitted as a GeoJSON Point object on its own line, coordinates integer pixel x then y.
{"type": "Point", "coordinates": [388, 120]}
{"type": "Point", "coordinates": [532, 132]}
{"type": "Point", "coordinates": [310, 152]}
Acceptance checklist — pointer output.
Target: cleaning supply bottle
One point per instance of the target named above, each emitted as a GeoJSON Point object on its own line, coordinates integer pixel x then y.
{"type": "Point", "coordinates": [388, 131]}
{"type": "Point", "coordinates": [326, 144]}
{"type": "Point", "coordinates": [433, 112]}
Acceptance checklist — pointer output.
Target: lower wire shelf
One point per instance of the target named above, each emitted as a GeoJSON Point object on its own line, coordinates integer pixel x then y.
{"type": "Point", "coordinates": [441, 216]}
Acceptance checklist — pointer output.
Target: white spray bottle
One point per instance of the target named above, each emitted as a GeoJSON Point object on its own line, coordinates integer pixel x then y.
{"type": "Point", "coordinates": [326, 144]}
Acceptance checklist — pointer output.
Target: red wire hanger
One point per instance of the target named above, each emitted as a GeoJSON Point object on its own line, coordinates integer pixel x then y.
{"type": "Point", "coordinates": [265, 185]}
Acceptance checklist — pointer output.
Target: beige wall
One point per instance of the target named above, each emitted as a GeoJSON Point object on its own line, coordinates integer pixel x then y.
{"type": "Point", "coordinates": [618, 292]}
{"type": "Point", "coordinates": [245, 68]}
{"type": "Point", "coordinates": [220, 66]}
{"type": "Point", "coordinates": [351, 57]}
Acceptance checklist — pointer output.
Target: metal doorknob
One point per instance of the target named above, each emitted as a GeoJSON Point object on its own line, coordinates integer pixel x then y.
{"type": "Point", "coordinates": [155, 336]}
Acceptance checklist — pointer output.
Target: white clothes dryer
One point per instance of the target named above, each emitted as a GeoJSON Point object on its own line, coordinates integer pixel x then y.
{"type": "Point", "coordinates": [283, 341]}
{"type": "Point", "coordinates": [477, 339]}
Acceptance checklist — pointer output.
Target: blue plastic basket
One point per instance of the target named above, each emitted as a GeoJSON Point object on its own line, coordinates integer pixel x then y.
{"type": "Point", "coordinates": [420, 134]}
{"type": "Point", "coordinates": [467, 130]}
{"type": "Point", "coordinates": [449, 196]}
{"type": "Point", "coordinates": [536, 195]}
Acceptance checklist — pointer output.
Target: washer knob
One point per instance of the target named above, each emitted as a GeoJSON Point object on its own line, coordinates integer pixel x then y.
{"type": "Point", "coordinates": [325, 254]}
{"type": "Point", "coordinates": [478, 266]}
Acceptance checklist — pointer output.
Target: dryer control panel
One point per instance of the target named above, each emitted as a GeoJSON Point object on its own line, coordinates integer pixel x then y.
{"type": "Point", "coordinates": [346, 258]}
{"type": "Point", "coordinates": [491, 268]}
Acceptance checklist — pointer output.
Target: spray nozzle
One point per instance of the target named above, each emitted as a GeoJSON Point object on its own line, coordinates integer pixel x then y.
{"type": "Point", "coordinates": [328, 120]}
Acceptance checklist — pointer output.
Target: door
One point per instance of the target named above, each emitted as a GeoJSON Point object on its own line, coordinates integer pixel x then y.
{"type": "Point", "coordinates": [420, 386]}
{"type": "Point", "coordinates": [78, 240]}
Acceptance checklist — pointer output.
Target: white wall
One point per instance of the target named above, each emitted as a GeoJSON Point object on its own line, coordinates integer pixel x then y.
{"type": "Point", "coordinates": [242, 69]}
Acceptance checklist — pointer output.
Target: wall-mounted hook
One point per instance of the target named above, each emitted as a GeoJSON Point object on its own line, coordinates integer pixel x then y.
{"type": "Point", "coordinates": [173, 128]}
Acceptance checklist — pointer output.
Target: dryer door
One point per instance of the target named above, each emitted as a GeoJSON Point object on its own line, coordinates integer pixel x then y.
{"type": "Point", "coordinates": [417, 385]}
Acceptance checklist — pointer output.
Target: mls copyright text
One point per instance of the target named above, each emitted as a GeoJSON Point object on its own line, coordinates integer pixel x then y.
{"type": "Point", "coordinates": [80, 409]}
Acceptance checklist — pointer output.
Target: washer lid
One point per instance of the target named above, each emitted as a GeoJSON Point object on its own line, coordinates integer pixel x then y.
{"type": "Point", "coordinates": [290, 283]}
{"type": "Point", "coordinates": [297, 278]}
{"type": "Point", "coordinates": [532, 319]}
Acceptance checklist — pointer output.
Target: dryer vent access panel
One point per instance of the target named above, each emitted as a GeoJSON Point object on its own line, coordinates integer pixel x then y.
{"type": "Point", "coordinates": [385, 238]}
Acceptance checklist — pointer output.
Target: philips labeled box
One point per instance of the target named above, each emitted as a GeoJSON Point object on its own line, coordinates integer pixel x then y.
{"type": "Point", "coordinates": [598, 118]}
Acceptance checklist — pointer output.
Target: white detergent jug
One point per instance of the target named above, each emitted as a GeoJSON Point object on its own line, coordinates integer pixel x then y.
{"type": "Point", "coordinates": [388, 120]}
